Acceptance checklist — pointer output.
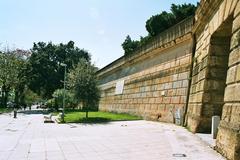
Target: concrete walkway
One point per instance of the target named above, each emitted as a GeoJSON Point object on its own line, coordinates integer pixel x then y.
{"type": "Point", "coordinates": [27, 137]}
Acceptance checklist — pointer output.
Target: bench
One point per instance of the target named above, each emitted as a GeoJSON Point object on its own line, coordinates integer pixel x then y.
{"type": "Point", "coordinates": [48, 119]}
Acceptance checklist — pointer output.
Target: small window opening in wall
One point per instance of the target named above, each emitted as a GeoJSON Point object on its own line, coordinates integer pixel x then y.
{"type": "Point", "coordinates": [119, 87]}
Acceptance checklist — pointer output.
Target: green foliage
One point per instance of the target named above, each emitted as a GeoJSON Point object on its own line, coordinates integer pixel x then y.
{"type": "Point", "coordinates": [183, 11]}
{"type": "Point", "coordinates": [159, 23]}
{"type": "Point", "coordinates": [30, 97]}
{"type": "Point", "coordinates": [82, 81]}
{"type": "Point", "coordinates": [5, 110]}
{"type": "Point", "coordinates": [58, 95]}
{"type": "Point", "coordinates": [97, 117]}
{"type": "Point", "coordinates": [12, 77]}
{"type": "Point", "coordinates": [51, 104]}
{"type": "Point", "coordinates": [129, 45]}
{"type": "Point", "coordinates": [44, 71]}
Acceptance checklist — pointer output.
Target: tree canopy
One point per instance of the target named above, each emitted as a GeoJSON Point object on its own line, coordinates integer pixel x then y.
{"type": "Point", "coordinates": [44, 71]}
{"type": "Point", "coordinates": [12, 77]}
{"type": "Point", "coordinates": [129, 45]}
{"type": "Point", "coordinates": [158, 23]}
{"type": "Point", "coordinates": [82, 81]}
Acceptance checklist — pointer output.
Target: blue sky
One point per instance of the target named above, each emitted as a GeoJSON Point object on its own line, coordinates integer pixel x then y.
{"type": "Point", "coordinates": [99, 26]}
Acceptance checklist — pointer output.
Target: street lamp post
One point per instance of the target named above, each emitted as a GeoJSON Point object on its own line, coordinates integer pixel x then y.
{"type": "Point", "coordinates": [64, 88]}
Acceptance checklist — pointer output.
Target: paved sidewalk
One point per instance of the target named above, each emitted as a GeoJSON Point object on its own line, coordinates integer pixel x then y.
{"type": "Point", "coordinates": [28, 138]}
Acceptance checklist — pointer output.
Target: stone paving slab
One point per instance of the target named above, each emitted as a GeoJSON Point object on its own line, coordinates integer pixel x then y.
{"type": "Point", "coordinates": [28, 138]}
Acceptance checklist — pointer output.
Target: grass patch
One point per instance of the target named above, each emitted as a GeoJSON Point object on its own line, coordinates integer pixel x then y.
{"type": "Point", "coordinates": [97, 117]}
{"type": "Point", "coordinates": [5, 110]}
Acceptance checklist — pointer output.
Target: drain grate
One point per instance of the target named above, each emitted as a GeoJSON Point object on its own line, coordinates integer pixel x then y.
{"type": "Point", "coordinates": [11, 130]}
{"type": "Point", "coordinates": [179, 155]}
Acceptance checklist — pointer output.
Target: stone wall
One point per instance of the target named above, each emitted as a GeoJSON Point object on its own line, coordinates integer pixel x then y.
{"type": "Point", "coordinates": [154, 93]}
{"type": "Point", "coordinates": [155, 80]}
{"type": "Point", "coordinates": [215, 86]}
{"type": "Point", "coordinates": [228, 140]}
{"type": "Point", "coordinates": [158, 76]}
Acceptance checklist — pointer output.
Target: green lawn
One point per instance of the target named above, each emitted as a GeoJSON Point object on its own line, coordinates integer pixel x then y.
{"type": "Point", "coordinates": [5, 110]}
{"type": "Point", "coordinates": [97, 117]}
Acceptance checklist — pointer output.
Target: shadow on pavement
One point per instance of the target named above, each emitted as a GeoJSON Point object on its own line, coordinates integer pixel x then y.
{"type": "Point", "coordinates": [92, 120]}
{"type": "Point", "coordinates": [34, 112]}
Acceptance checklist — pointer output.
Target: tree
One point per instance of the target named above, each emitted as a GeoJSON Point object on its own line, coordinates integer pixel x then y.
{"type": "Point", "coordinates": [11, 78]}
{"type": "Point", "coordinates": [30, 97]}
{"type": "Point", "coordinates": [82, 80]}
{"type": "Point", "coordinates": [129, 46]}
{"type": "Point", "coordinates": [183, 11]}
{"type": "Point", "coordinates": [44, 72]}
{"type": "Point", "coordinates": [69, 99]}
{"type": "Point", "coordinates": [158, 23]}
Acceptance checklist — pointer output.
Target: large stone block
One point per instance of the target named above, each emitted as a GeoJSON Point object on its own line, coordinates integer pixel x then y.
{"type": "Point", "coordinates": [215, 61]}
{"type": "Point", "coordinates": [235, 41]}
{"type": "Point", "coordinates": [177, 84]}
{"type": "Point", "coordinates": [227, 9]}
{"type": "Point", "coordinates": [175, 100]}
{"type": "Point", "coordinates": [200, 86]}
{"type": "Point", "coordinates": [228, 141]}
{"type": "Point", "coordinates": [232, 93]}
{"type": "Point", "coordinates": [184, 83]}
{"type": "Point", "coordinates": [219, 49]}
{"type": "Point", "coordinates": [202, 74]}
{"type": "Point", "coordinates": [234, 57]}
{"type": "Point", "coordinates": [231, 74]}
{"type": "Point", "coordinates": [183, 76]}
{"type": "Point", "coordinates": [221, 12]}
{"type": "Point", "coordinates": [166, 100]}
{"type": "Point", "coordinates": [238, 73]}
{"type": "Point", "coordinates": [183, 99]}
{"type": "Point", "coordinates": [233, 6]}
{"type": "Point", "coordinates": [181, 91]}
{"type": "Point", "coordinates": [237, 9]}
{"type": "Point", "coordinates": [214, 85]}
{"type": "Point", "coordinates": [236, 23]}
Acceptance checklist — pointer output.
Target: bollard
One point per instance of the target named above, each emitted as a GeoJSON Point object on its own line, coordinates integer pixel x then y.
{"type": "Point", "coordinates": [215, 123]}
{"type": "Point", "coordinates": [14, 114]}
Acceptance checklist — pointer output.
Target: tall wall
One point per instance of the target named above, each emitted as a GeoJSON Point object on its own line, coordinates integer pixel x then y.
{"type": "Point", "coordinates": [215, 81]}
{"type": "Point", "coordinates": [155, 80]}
{"type": "Point", "coordinates": [157, 77]}
{"type": "Point", "coordinates": [228, 140]}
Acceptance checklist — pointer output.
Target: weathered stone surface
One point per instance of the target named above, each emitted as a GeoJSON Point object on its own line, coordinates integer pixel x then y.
{"type": "Point", "coordinates": [231, 75]}
{"type": "Point", "coordinates": [237, 9]}
{"type": "Point", "coordinates": [238, 73]}
{"type": "Point", "coordinates": [151, 87]}
{"type": "Point", "coordinates": [232, 93]}
{"type": "Point", "coordinates": [228, 141]}
{"type": "Point", "coordinates": [234, 57]}
{"type": "Point", "coordinates": [235, 42]}
{"type": "Point", "coordinates": [236, 23]}
{"type": "Point", "coordinates": [221, 27]}
{"type": "Point", "coordinates": [156, 82]}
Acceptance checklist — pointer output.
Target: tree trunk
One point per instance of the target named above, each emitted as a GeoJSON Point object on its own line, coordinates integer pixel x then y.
{"type": "Point", "coordinates": [2, 97]}
{"type": "Point", "coordinates": [16, 99]}
{"type": "Point", "coordinates": [86, 114]}
{"type": "Point", "coordinates": [5, 98]}
{"type": "Point", "coordinates": [85, 108]}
